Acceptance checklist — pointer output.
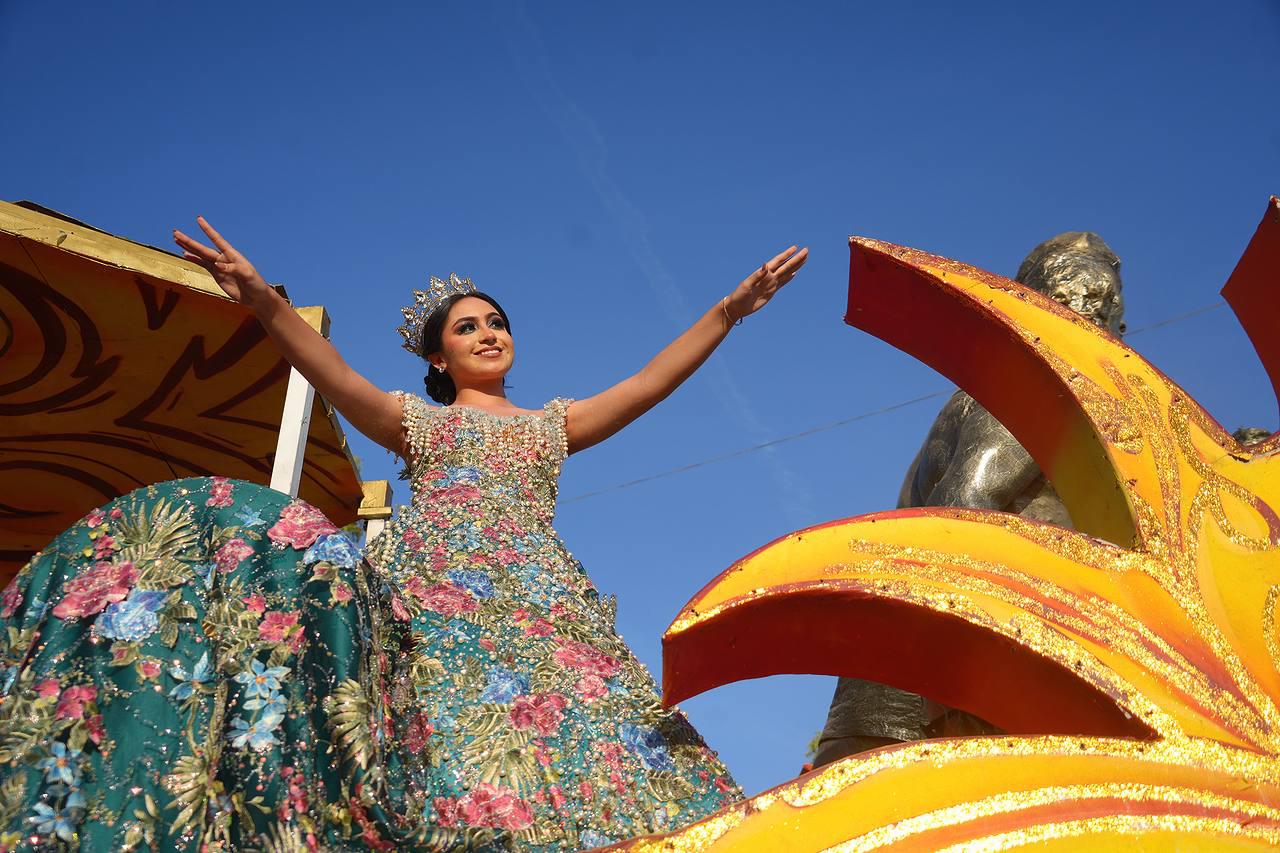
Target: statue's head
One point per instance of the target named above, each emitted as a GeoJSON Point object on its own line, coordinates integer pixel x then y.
{"type": "Point", "coordinates": [1251, 435]}
{"type": "Point", "coordinates": [1079, 270]}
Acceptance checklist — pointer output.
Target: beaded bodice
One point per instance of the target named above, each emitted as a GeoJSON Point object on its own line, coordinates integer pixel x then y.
{"type": "Point", "coordinates": [462, 457]}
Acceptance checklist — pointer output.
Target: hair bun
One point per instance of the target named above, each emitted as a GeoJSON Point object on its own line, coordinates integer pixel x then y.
{"type": "Point", "coordinates": [440, 387]}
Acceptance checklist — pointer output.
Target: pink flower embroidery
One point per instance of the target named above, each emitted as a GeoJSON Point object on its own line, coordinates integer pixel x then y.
{"type": "Point", "coordinates": [48, 687]}
{"type": "Point", "coordinates": [10, 600]}
{"type": "Point", "coordinates": [255, 603]}
{"type": "Point", "coordinates": [557, 797]}
{"type": "Point", "coordinates": [116, 513]}
{"type": "Point", "coordinates": [586, 659]}
{"type": "Point", "coordinates": [420, 728]}
{"type": "Point", "coordinates": [398, 609]}
{"type": "Point", "coordinates": [71, 705]}
{"type": "Point", "coordinates": [342, 592]}
{"type": "Point", "coordinates": [148, 669]}
{"type": "Point", "coordinates": [91, 591]}
{"type": "Point", "coordinates": [412, 539]}
{"type": "Point", "coordinates": [231, 554]}
{"type": "Point", "coordinates": [96, 730]}
{"type": "Point", "coordinates": [277, 626]}
{"type": "Point", "coordinates": [219, 492]}
{"type": "Point", "coordinates": [611, 753]}
{"type": "Point", "coordinates": [298, 802]}
{"type": "Point", "coordinates": [456, 495]}
{"type": "Point", "coordinates": [559, 611]}
{"type": "Point", "coordinates": [103, 547]}
{"type": "Point", "coordinates": [590, 688]}
{"type": "Point", "coordinates": [300, 525]}
{"type": "Point", "coordinates": [542, 711]}
{"type": "Point", "coordinates": [446, 811]}
{"type": "Point", "coordinates": [539, 628]}
{"type": "Point", "coordinates": [491, 805]}
{"type": "Point", "coordinates": [445, 598]}
{"type": "Point", "coordinates": [95, 518]}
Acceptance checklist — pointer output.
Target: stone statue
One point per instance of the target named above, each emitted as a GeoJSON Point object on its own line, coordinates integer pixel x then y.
{"type": "Point", "coordinates": [970, 460]}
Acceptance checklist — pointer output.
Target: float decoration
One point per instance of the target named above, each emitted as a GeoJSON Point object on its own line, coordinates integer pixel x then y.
{"type": "Point", "coordinates": [1135, 664]}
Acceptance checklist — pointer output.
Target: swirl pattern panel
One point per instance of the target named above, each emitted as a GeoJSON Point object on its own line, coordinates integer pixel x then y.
{"type": "Point", "coordinates": [122, 365]}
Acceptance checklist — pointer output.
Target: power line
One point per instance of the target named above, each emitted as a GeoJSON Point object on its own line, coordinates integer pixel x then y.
{"type": "Point", "coordinates": [1195, 312]}
{"type": "Point", "coordinates": [1169, 321]}
{"type": "Point", "coordinates": [761, 446]}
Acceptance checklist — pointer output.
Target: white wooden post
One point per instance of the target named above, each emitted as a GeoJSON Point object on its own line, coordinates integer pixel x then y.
{"type": "Point", "coordinates": [295, 423]}
{"type": "Point", "coordinates": [295, 420]}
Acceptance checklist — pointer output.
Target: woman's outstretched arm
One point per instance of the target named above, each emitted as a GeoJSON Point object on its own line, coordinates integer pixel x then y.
{"type": "Point", "coordinates": [374, 412]}
{"type": "Point", "coordinates": [594, 419]}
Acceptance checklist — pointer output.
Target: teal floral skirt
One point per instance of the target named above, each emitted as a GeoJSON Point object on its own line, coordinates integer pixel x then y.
{"type": "Point", "coordinates": [203, 665]}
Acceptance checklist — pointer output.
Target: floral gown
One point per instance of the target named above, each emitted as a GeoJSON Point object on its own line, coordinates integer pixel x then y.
{"type": "Point", "coordinates": [208, 664]}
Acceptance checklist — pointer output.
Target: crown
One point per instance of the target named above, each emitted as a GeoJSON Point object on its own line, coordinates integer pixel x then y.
{"type": "Point", "coordinates": [425, 303]}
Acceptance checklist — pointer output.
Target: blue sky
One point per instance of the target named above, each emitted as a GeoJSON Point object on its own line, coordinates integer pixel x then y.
{"type": "Point", "coordinates": [611, 170]}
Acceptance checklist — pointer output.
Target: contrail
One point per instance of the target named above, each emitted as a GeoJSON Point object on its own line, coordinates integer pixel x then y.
{"type": "Point", "coordinates": [588, 145]}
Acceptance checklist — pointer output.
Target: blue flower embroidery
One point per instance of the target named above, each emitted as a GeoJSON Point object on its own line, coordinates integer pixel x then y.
{"type": "Point", "coordinates": [260, 680]}
{"type": "Point", "coordinates": [273, 705]}
{"type": "Point", "coordinates": [477, 583]}
{"type": "Point", "coordinates": [62, 765]}
{"type": "Point", "coordinates": [134, 618]}
{"type": "Point", "coordinates": [75, 800]}
{"type": "Point", "coordinates": [254, 735]}
{"type": "Point", "coordinates": [187, 683]}
{"type": "Point", "coordinates": [205, 572]}
{"type": "Point", "coordinates": [49, 822]}
{"type": "Point", "coordinates": [462, 474]}
{"type": "Point", "coordinates": [249, 516]}
{"type": "Point", "coordinates": [649, 746]}
{"type": "Point", "coordinates": [503, 685]}
{"type": "Point", "coordinates": [333, 548]}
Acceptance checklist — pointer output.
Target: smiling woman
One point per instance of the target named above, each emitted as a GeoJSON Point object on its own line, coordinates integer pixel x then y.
{"type": "Point", "coordinates": [478, 690]}
{"type": "Point", "coordinates": [469, 332]}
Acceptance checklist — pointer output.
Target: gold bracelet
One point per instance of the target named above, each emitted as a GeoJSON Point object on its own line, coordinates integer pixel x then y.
{"type": "Point", "coordinates": [724, 306]}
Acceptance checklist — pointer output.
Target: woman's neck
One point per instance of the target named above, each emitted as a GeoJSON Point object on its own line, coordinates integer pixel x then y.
{"type": "Point", "coordinates": [493, 399]}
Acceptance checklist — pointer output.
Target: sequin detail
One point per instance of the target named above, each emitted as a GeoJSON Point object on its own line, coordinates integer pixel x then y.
{"type": "Point", "coordinates": [526, 716]}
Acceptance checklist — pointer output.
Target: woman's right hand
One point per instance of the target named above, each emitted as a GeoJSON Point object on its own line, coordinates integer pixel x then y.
{"type": "Point", "coordinates": [230, 269]}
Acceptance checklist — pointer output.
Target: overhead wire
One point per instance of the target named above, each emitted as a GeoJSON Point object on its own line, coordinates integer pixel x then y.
{"type": "Point", "coordinates": [862, 416]}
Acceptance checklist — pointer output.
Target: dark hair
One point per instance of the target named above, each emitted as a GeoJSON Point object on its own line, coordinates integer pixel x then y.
{"type": "Point", "coordinates": [440, 386]}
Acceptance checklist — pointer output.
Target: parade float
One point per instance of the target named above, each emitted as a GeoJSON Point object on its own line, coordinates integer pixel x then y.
{"type": "Point", "coordinates": [1134, 663]}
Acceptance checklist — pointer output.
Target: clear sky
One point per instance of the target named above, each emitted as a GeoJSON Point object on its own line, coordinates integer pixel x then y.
{"type": "Point", "coordinates": [610, 170]}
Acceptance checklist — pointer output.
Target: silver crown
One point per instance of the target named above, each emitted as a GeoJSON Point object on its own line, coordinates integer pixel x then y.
{"type": "Point", "coordinates": [425, 303]}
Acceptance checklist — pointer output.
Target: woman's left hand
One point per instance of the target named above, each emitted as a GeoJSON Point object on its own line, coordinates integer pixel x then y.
{"type": "Point", "coordinates": [758, 288]}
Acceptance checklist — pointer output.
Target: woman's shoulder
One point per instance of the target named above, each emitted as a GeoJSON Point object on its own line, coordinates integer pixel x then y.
{"type": "Point", "coordinates": [414, 406]}
{"type": "Point", "coordinates": [557, 405]}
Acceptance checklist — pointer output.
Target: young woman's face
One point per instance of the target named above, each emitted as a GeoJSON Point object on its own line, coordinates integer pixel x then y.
{"type": "Point", "coordinates": [475, 344]}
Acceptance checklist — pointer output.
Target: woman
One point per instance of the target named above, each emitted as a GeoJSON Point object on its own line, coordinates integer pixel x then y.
{"type": "Point", "coordinates": [464, 688]}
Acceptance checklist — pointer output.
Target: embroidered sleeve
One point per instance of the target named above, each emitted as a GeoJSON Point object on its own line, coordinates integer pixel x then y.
{"type": "Point", "coordinates": [556, 413]}
{"type": "Point", "coordinates": [416, 411]}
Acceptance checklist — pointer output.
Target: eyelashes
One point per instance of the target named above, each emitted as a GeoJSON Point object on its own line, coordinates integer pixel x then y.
{"type": "Point", "coordinates": [468, 328]}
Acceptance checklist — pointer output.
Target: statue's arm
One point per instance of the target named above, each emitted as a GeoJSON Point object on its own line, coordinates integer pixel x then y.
{"type": "Point", "coordinates": [987, 469]}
